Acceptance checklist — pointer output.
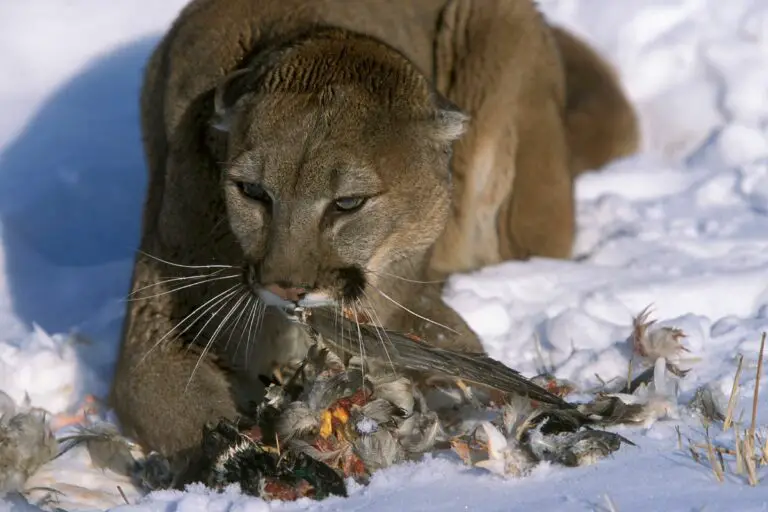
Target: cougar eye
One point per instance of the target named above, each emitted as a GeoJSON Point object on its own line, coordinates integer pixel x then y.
{"type": "Point", "coordinates": [253, 191]}
{"type": "Point", "coordinates": [349, 204]}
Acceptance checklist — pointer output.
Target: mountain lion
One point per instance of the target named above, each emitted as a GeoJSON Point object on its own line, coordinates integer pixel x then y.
{"type": "Point", "coordinates": [341, 152]}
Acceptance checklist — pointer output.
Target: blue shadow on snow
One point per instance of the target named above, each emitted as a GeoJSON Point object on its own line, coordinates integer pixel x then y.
{"type": "Point", "coordinates": [71, 189]}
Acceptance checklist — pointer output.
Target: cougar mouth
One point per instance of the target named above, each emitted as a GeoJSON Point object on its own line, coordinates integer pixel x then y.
{"type": "Point", "coordinates": [296, 314]}
{"type": "Point", "coordinates": [286, 300]}
{"type": "Point", "coordinates": [340, 284]}
{"type": "Point", "coordinates": [297, 311]}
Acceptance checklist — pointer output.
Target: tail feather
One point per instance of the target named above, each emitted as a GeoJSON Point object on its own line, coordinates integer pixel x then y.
{"type": "Point", "coordinates": [413, 355]}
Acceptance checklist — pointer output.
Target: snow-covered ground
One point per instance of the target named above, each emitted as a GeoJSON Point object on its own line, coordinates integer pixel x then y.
{"type": "Point", "coordinates": [683, 225]}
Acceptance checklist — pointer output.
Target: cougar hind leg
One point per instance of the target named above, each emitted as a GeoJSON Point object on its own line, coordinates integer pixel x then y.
{"type": "Point", "coordinates": [601, 124]}
{"type": "Point", "coordinates": [513, 194]}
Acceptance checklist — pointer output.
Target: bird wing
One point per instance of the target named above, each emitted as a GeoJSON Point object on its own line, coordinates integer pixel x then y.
{"type": "Point", "coordinates": [413, 354]}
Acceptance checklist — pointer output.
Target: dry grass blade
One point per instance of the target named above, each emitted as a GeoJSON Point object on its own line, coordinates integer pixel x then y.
{"type": "Point", "coordinates": [694, 454]}
{"type": "Point", "coordinates": [720, 459]}
{"type": "Point", "coordinates": [750, 449]}
{"type": "Point", "coordinates": [764, 452]}
{"type": "Point", "coordinates": [757, 388]}
{"type": "Point", "coordinates": [749, 439]}
{"type": "Point", "coordinates": [734, 394]}
{"type": "Point", "coordinates": [122, 494]}
{"type": "Point", "coordinates": [716, 468]}
{"type": "Point", "coordinates": [748, 455]}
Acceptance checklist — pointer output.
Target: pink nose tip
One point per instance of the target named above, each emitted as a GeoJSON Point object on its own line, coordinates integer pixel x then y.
{"type": "Point", "coordinates": [292, 294]}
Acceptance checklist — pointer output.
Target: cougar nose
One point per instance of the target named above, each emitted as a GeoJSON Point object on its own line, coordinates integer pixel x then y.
{"type": "Point", "coordinates": [289, 293]}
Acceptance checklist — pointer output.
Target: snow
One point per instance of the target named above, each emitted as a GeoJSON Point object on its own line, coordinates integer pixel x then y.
{"type": "Point", "coordinates": [683, 226]}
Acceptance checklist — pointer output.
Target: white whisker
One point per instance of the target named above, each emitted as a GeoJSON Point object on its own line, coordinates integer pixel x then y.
{"type": "Point", "coordinates": [183, 266]}
{"type": "Point", "coordinates": [379, 330]}
{"type": "Point", "coordinates": [343, 339]}
{"type": "Point", "coordinates": [393, 301]}
{"type": "Point", "coordinates": [216, 300]}
{"type": "Point", "coordinates": [239, 317]}
{"type": "Point", "coordinates": [213, 315]}
{"type": "Point", "coordinates": [359, 341]}
{"type": "Point", "coordinates": [210, 280]}
{"type": "Point", "coordinates": [248, 326]}
{"type": "Point", "coordinates": [262, 307]}
{"type": "Point", "coordinates": [407, 280]}
{"type": "Point", "coordinates": [212, 339]}
{"type": "Point", "coordinates": [174, 279]}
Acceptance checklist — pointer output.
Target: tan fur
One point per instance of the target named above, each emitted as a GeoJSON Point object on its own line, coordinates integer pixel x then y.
{"type": "Point", "coordinates": [600, 122]}
{"type": "Point", "coordinates": [255, 91]}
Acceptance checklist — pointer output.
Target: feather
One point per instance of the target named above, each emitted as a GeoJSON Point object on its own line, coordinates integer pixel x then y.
{"type": "Point", "coordinates": [418, 356]}
{"type": "Point", "coordinates": [26, 443]}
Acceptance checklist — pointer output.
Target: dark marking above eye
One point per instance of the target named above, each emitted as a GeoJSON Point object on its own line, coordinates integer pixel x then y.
{"type": "Point", "coordinates": [254, 191]}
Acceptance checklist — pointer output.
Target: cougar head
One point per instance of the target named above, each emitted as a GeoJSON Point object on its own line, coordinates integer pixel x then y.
{"type": "Point", "coordinates": [338, 165]}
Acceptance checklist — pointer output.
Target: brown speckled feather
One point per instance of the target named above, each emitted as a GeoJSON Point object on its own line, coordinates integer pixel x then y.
{"type": "Point", "coordinates": [412, 354]}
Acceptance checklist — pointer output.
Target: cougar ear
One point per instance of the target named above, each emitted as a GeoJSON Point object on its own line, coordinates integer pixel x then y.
{"type": "Point", "coordinates": [449, 122]}
{"type": "Point", "coordinates": [231, 88]}
{"type": "Point", "coordinates": [450, 125]}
